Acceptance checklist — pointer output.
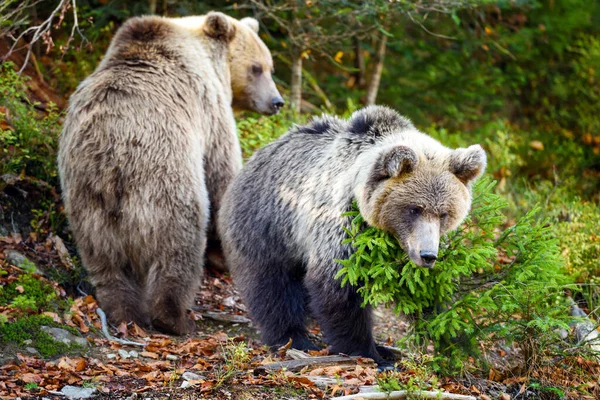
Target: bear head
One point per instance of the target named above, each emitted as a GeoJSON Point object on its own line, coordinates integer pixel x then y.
{"type": "Point", "coordinates": [419, 193]}
{"type": "Point", "coordinates": [250, 63]}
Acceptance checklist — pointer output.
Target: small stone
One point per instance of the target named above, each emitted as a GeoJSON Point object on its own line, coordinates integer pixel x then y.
{"type": "Point", "coordinates": [124, 354]}
{"type": "Point", "coordinates": [27, 341]}
{"type": "Point", "coordinates": [190, 376]}
{"type": "Point", "coordinates": [111, 356]}
{"type": "Point", "coordinates": [133, 354]}
{"type": "Point", "coordinates": [64, 336]}
{"type": "Point", "coordinates": [229, 302]}
{"type": "Point", "coordinates": [74, 392]}
{"type": "Point", "coordinates": [31, 350]}
{"type": "Point", "coordinates": [185, 384]}
{"type": "Point", "coordinates": [132, 397]}
{"type": "Point", "coordinates": [172, 357]}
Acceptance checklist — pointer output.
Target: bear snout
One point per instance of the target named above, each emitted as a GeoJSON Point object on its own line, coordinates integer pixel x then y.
{"type": "Point", "coordinates": [428, 258]}
{"type": "Point", "coordinates": [277, 104]}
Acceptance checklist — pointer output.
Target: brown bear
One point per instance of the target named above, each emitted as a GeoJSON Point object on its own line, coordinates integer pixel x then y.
{"type": "Point", "coordinates": [282, 222]}
{"type": "Point", "coordinates": [148, 147]}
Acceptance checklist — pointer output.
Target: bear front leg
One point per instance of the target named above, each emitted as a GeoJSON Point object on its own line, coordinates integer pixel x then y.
{"type": "Point", "coordinates": [276, 300]}
{"type": "Point", "coordinates": [172, 284]}
{"type": "Point", "coordinates": [347, 326]}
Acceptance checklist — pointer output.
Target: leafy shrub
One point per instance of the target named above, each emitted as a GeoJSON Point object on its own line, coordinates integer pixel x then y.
{"type": "Point", "coordinates": [28, 140]}
{"type": "Point", "coordinates": [255, 132]}
{"type": "Point", "coordinates": [488, 283]}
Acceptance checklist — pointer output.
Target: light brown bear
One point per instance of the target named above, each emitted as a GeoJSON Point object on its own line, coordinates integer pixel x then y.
{"type": "Point", "coordinates": [148, 148]}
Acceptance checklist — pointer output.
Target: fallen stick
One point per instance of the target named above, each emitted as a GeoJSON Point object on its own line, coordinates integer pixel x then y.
{"type": "Point", "coordinates": [297, 365]}
{"type": "Point", "coordinates": [403, 394]}
{"type": "Point", "coordinates": [224, 317]}
{"type": "Point", "coordinates": [102, 316]}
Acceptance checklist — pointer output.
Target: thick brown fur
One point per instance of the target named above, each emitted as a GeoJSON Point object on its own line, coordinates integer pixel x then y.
{"type": "Point", "coordinates": [148, 147]}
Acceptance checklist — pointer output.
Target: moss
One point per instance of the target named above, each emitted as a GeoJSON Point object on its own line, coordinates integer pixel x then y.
{"type": "Point", "coordinates": [29, 328]}
{"type": "Point", "coordinates": [35, 294]}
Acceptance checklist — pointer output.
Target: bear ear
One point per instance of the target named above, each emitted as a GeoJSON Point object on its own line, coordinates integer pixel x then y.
{"type": "Point", "coordinates": [468, 164]}
{"type": "Point", "coordinates": [393, 163]}
{"type": "Point", "coordinates": [251, 23]}
{"type": "Point", "coordinates": [377, 121]}
{"type": "Point", "coordinates": [218, 26]}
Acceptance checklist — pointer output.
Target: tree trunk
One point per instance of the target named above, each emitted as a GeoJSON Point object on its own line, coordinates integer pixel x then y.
{"type": "Point", "coordinates": [359, 64]}
{"type": "Point", "coordinates": [296, 84]}
{"type": "Point", "coordinates": [376, 72]}
{"type": "Point", "coordinates": [152, 6]}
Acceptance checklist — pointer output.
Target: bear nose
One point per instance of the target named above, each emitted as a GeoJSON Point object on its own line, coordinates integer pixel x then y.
{"type": "Point", "coordinates": [277, 103]}
{"type": "Point", "coordinates": [428, 258]}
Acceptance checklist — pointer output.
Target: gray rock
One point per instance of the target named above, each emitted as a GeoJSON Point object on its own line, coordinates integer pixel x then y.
{"type": "Point", "coordinates": [172, 357]}
{"type": "Point", "coordinates": [74, 392]}
{"type": "Point", "coordinates": [64, 336]}
{"type": "Point", "coordinates": [31, 350]}
{"type": "Point", "coordinates": [27, 341]}
{"type": "Point", "coordinates": [111, 356]}
{"type": "Point", "coordinates": [190, 376]}
{"type": "Point", "coordinates": [124, 354]}
{"type": "Point", "coordinates": [18, 259]}
{"type": "Point", "coordinates": [133, 354]}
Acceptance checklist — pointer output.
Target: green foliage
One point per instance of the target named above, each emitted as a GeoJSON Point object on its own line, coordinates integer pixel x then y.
{"type": "Point", "coordinates": [489, 283]}
{"type": "Point", "coordinates": [256, 132]}
{"type": "Point", "coordinates": [28, 293]}
{"type": "Point", "coordinates": [579, 236]}
{"type": "Point", "coordinates": [28, 141]}
{"type": "Point", "coordinates": [29, 328]}
{"type": "Point", "coordinates": [414, 375]}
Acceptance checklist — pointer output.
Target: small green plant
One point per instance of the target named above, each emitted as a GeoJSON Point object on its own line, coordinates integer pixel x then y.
{"type": "Point", "coordinates": [31, 386]}
{"type": "Point", "coordinates": [490, 282]}
{"type": "Point", "coordinates": [236, 356]}
{"type": "Point", "coordinates": [28, 139]}
{"type": "Point", "coordinates": [415, 375]}
{"type": "Point", "coordinates": [24, 303]}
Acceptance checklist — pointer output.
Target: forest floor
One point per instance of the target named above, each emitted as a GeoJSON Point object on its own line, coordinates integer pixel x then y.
{"type": "Point", "coordinates": [223, 359]}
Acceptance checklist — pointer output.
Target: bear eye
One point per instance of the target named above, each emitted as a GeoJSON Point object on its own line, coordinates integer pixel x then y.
{"type": "Point", "coordinates": [444, 215]}
{"type": "Point", "coordinates": [415, 210]}
{"type": "Point", "coordinates": [257, 69]}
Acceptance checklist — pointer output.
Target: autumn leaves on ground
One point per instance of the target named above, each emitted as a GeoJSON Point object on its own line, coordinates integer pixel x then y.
{"type": "Point", "coordinates": [220, 360]}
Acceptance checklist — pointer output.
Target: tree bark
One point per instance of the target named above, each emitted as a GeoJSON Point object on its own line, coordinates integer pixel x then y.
{"type": "Point", "coordinates": [152, 6]}
{"type": "Point", "coordinates": [296, 84]}
{"type": "Point", "coordinates": [376, 72]}
{"type": "Point", "coordinates": [359, 64]}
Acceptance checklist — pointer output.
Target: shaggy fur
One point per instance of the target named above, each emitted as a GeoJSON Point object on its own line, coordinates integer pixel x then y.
{"type": "Point", "coordinates": [281, 220]}
{"type": "Point", "coordinates": [148, 144]}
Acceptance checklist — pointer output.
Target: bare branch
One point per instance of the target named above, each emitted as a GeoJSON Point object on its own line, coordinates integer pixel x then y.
{"type": "Point", "coordinates": [41, 31]}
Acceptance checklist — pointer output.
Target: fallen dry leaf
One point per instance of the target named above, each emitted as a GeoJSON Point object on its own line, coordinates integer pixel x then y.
{"type": "Point", "coordinates": [149, 354]}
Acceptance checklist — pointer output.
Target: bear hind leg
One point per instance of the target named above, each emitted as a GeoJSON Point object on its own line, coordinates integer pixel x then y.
{"type": "Point", "coordinates": [118, 291]}
{"type": "Point", "coordinates": [171, 288]}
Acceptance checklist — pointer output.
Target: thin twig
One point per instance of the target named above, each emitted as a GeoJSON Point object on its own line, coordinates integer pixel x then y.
{"type": "Point", "coordinates": [404, 394]}
{"type": "Point", "coordinates": [102, 316]}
